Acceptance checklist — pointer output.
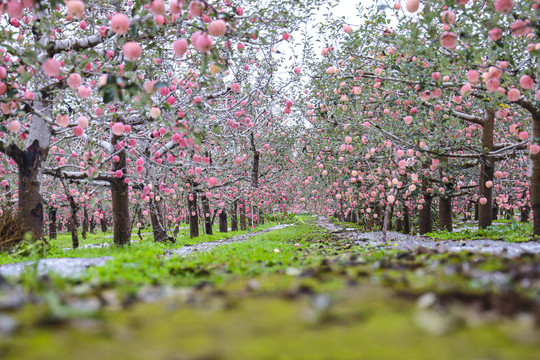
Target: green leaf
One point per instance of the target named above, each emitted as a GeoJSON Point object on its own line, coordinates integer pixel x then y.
{"type": "Point", "coordinates": [160, 84]}
{"type": "Point", "coordinates": [108, 94]}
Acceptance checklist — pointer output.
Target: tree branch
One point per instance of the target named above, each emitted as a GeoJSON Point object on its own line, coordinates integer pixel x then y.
{"type": "Point", "coordinates": [77, 45]}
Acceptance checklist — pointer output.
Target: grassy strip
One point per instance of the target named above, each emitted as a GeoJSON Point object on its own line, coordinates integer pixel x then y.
{"type": "Point", "coordinates": [505, 230]}
{"type": "Point", "coordinates": [55, 249]}
{"type": "Point", "coordinates": [265, 253]}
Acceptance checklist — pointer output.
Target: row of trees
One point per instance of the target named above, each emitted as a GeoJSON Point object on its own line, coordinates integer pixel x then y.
{"type": "Point", "coordinates": [433, 100]}
{"type": "Point", "coordinates": [173, 111]}
{"type": "Point", "coordinates": [148, 107]}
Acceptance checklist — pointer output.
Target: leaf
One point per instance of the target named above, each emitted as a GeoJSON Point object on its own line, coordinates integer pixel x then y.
{"type": "Point", "coordinates": [133, 30]}
{"type": "Point", "coordinates": [204, 64]}
{"type": "Point", "coordinates": [130, 66]}
{"type": "Point", "coordinates": [160, 84]}
{"type": "Point", "coordinates": [108, 94]}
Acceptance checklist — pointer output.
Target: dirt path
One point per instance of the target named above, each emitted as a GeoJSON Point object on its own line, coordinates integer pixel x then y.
{"type": "Point", "coordinates": [75, 267]}
{"type": "Point", "coordinates": [400, 241]}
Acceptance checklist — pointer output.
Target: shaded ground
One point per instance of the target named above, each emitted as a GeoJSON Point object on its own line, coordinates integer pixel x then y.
{"type": "Point", "coordinates": [398, 241]}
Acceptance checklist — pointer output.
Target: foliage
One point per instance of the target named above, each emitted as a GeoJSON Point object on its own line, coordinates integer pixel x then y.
{"type": "Point", "coordinates": [283, 218]}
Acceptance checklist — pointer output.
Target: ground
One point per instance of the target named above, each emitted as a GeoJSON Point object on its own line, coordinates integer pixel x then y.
{"type": "Point", "coordinates": [299, 292]}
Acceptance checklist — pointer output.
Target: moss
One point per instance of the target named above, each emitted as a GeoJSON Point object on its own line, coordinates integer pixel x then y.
{"type": "Point", "coordinates": [360, 323]}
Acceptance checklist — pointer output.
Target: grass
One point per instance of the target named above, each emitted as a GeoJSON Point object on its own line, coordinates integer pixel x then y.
{"type": "Point", "coordinates": [147, 246]}
{"type": "Point", "coordinates": [505, 230]}
{"type": "Point", "coordinates": [326, 299]}
{"type": "Point", "coordinates": [264, 253]}
{"type": "Point", "coordinates": [267, 298]}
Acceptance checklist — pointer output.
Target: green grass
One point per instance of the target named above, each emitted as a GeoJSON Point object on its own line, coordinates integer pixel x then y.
{"type": "Point", "coordinates": [265, 253]}
{"type": "Point", "coordinates": [247, 301]}
{"type": "Point", "coordinates": [510, 231]}
{"type": "Point", "coordinates": [147, 246]}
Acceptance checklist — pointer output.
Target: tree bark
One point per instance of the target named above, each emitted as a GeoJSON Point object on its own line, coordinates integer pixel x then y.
{"type": "Point", "coordinates": [223, 221]}
{"type": "Point", "coordinates": [157, 218]}
{"type": "Point", "coordinates": [256, 161]}
{"type": "Point", "coordinates": [385, 221]}
{"type": "Point", "coordinates": [52, 223]}
{"type": "Point", "coordinates": [525, 213]}
{"type": "Point", "coordinates": [120, 198]}
{"type": "Point", "coordinates": [73, 222]}
{"type": "Point", "coordinates": [193, 217]}
{"type": "Point", "coordinates": [379, 220]}
{"type": "Point", "coordinates": [234, 216]}
{"type": "Point", "coordinates": [73, 207]}
{"type": "Point", "coordinates": [426, 221]}
{"type": "Point", "coordinates": [31, 164]}
{"type": "Point", "coordinates": [261, 216]}
{"type": "Point", "coordinates": [390, 217]}
{"type": "Point", "coordinates": [534, 177]}
{"type": "Point", "coordinates": [445, 213]}
{"type": "Point", "coordinates": [243, 224]}
{"type": "Point", "coordinates": [92, 223]}
{"type": "Point", "coordinates": [104, 224]}
{"type": "Point", "coordinates": [250, 220]}
{"type": "Point", "coordinates": [486, 172]}
{"type": "Point", "coordinates": [206, 215]}
{"type": "Point", "coordinates": [399, 224]}
{"type": "Point", "coordinates": [85, 221]}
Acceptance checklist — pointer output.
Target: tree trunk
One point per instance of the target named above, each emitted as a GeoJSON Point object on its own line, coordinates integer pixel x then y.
{"type": "Point", "coordinates": [390, 217]}
{"type": "Point", "coordinates": [104, 224]}
{"type": "Point", "coordinates": [534, 177]}
{"type": "Point", "coordinates": [406, 220]}
{"type": "Point", "coordinates": [92, 224]}
{"type": "Point", "coordinates": [223, 221]}
{"type": "Point", "coordinates": [234, 216]}
{"type": "Point", "coordinates": [494, 211]}
{"type": "Point", "coordinates": [256, 161]}
{"type": "Point", "coordinates": [399, 224]}
{"type": "Point", "coordinates": [379, 220]}
{"type": "Point", "coordinates": [30, 164]}
{"type": "Point", "coordinates": [426, 221]}
{"type": "Point", "coordinates": [52, 223]}
{"type": "Point", "coordinates": [158, 221]}
{"type": "Point", "coordinates": [120, 198]}
{"type": "Point", "coordinates": [243, 224]}
{"type": "Point", "coordinates": [85, 222]}
{"type": "Point", "coordinates": [206, 215]}
{"type": "Point", "coordinates": [486, 172]}
{"type": "Point", "coordinates": [385, 221]}
{"type": "Point", "coordinates": [445, 213]}
{"type": "Point", "coordinates": [525, 213]}
{"type": "Point", "coordinates": [261, 216]}
{"type": "Point", "coordinates": [73, 222]}
{"type": "Point", "coordinates": [193, 217]}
